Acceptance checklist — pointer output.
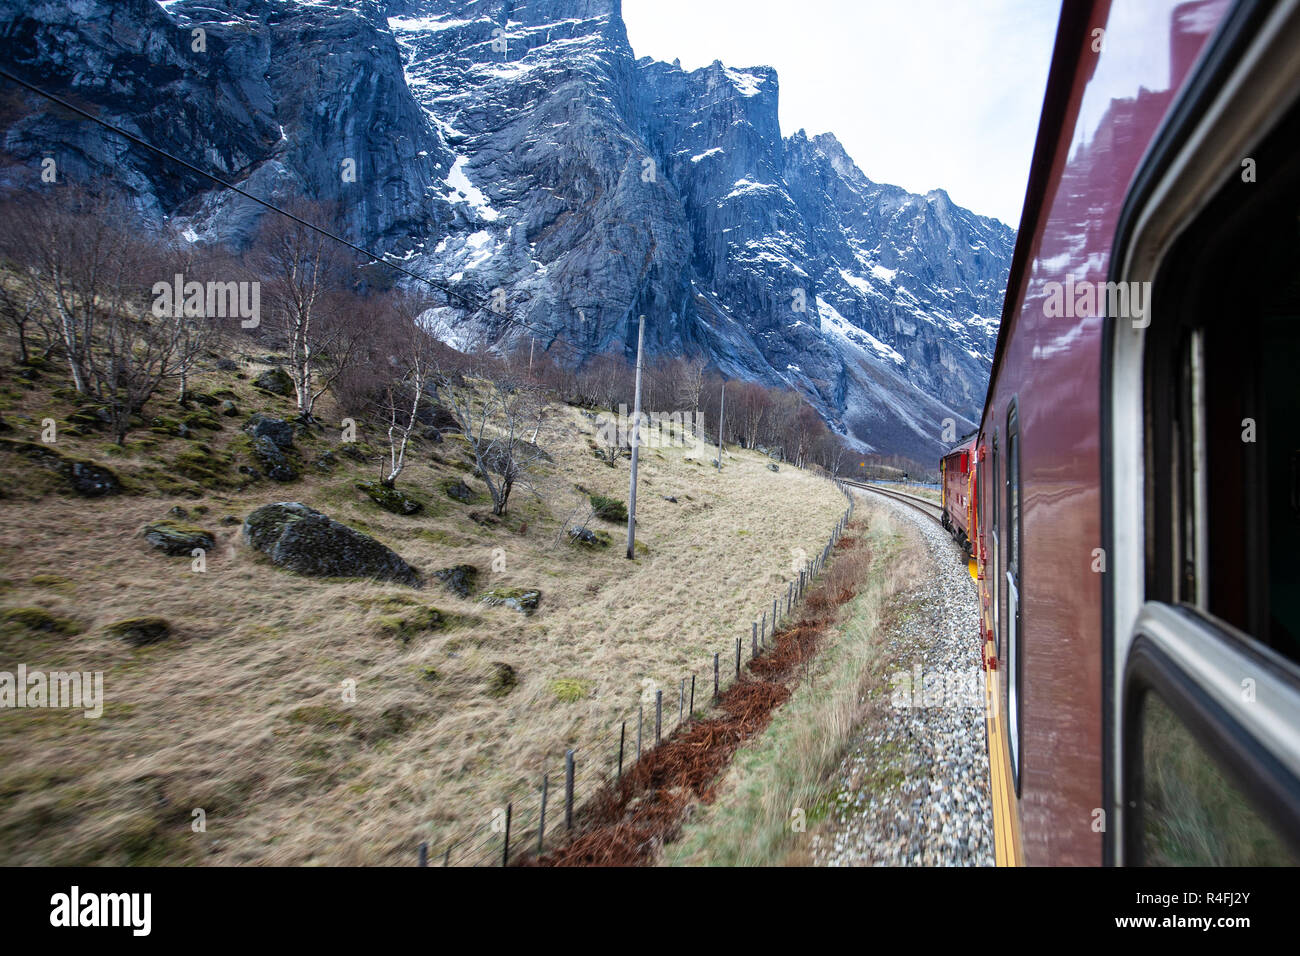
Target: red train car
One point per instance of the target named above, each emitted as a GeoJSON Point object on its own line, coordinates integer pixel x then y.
{"type": "Point", "coordinates": [1138, 457]}
{"type": "Point", "coordinates": [956, 480]}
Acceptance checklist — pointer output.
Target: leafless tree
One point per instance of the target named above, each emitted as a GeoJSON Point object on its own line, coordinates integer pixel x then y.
{"type": "Point", "coordinates": [20, 304]}
{"type": "Point", "coordinates": [501, 417]}
{"type": "Point", "coordinates": [301, 270]}
{"type": "Point", "coordinates": [75, 251]}
{"type": "Point", "coordinates": [410, 367]}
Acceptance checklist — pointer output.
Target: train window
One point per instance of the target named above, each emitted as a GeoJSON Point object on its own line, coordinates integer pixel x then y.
{"type": "Point", "coordinates": [1015, 636]}
{"type": "Point", "coordinates": [1201, 788]}
{"type": "Point", "coordinates": [1192, 815]}
{"type": "Point", "coordinates": [1223, 411]}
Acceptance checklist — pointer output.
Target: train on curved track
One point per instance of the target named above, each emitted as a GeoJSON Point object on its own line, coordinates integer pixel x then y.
{"type": "Point", "coordinates": [1131, 500]}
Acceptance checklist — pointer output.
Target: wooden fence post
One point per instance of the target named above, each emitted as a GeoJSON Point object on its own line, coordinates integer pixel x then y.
{"type": "Point", "coordinates": [568, 790]}
{"type": "Point", "coordinates": [505, 843]}
{"type": "Point", "coordinates": [715, 675]}
{"type": "Point", "coordinates": [659, 714]}
{"type": "Point", "coordinates": [541, 823]}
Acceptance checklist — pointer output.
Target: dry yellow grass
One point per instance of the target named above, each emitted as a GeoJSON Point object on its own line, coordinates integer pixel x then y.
{"type": "Point", "coordinates": [789, 768]}
{"type": "Point", "coordinates": [242, 715]}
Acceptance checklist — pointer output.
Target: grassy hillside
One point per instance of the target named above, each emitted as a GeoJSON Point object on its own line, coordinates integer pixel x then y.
{"type": "Point", "coordinates": [240, 712]}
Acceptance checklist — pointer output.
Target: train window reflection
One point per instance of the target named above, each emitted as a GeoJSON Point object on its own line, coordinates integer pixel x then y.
{"type": "Point", "coordinates": [1192, 815]}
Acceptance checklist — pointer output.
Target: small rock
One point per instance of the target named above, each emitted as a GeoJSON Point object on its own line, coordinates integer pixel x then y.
{"type": "Point", "coordinates": [390, 499]}
{"type": "Point", "coordinates": [177, 539]}
{"type": "Point", "coordinates": [459, 490]}
{"type": "Point", "coordinates": [523, 600]}
{"type": "Point", "coordinates": [459, 579]}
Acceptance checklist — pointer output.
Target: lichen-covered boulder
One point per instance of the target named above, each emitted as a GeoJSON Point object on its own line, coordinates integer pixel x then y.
{"type": "Point", "coordinates": [276, 381]}
{"type": "Point", "coordinates": [271, 459]}
{"type": "Point", "coordinates": [267, 426]}
{"type": "Point", "coordinates": [174, 538]}
{"type": "Point", "coordinates": [390, 499]}
{"type": "Point", "coordinates": [301, 539]}
{"type": "Point", "coordinates": [459, 580]}
{"type": "Point", "coordinates": [456, 488]}
{"type": "Point", "coordinates": [84, 477]}
{"type": "Point", "coordinates": [523, 600]}
{"type": "Point", "coordinates": [588, 538]}
{"type": "Point", "coordinates": [91, 480]}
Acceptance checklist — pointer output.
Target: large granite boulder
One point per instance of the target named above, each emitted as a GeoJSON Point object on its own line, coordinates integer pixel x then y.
{"type": "Point", "coordinates": [302, 539]}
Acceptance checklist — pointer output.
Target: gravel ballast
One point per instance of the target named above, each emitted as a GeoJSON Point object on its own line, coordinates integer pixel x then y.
{"type": "Point", "coordinates": [914, 790]}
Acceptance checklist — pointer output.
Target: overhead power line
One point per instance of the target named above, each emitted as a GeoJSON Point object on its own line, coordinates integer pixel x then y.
{"type": "Point", "coordinates": [472, 304]}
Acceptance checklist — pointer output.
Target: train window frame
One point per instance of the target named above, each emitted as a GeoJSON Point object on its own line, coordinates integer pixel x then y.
{"type": "Point", "coordinates": [1180, 654]}
{"type": "Point", "coordinates": [1235, 101]}
{"type": "Point", "coordinates": [1015, 585]}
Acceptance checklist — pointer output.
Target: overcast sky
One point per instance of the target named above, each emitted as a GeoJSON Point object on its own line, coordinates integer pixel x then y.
{"type": "Point", "coordinates": [924, 94]}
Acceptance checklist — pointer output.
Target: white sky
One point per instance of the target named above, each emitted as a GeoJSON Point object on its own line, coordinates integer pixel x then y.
{"type": "Point", "coordinates": [924, 94]}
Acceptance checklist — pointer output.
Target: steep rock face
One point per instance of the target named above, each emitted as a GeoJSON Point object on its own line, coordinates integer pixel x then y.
{"type": "Point", "coordinates": [518, 151]}
{"type": "Point", "coordinates": [273, 96]}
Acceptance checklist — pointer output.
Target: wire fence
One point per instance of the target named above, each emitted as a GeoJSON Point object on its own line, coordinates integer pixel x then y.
{"type": "Point", "coordinates": [531, 824]}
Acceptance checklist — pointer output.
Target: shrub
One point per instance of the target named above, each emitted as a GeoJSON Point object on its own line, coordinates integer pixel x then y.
{"type": "Point", "coordinates": [609, 509]}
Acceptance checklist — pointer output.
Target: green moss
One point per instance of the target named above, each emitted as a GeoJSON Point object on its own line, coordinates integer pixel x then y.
{"type": "Point", "coordinates": [39, 620]}
{"type": "Point", "coordinates": [422, 620]}
{"type": "Point", "coordinates": [320, 717]}
{"type": "Point", "coordinates": [571, 689]}
{"type": "Point", "coordinates": [210, 470]}
{"type": "Point", "coordinates": [140, 631]}
{"type": "Point", "coordinates": [502, 680]}
{"type": "Point", "coordinates": [390, 499]}
{"type": "Point", "coordinates": [56, 581]}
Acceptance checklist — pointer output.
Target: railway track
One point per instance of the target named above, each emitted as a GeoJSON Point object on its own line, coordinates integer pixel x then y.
{"type": "Point", "coordinates": [930, 509]}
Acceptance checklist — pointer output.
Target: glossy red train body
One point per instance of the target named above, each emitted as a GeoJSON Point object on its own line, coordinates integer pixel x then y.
{"type": "Point", "coordinates": [956, 479]}
{"type": "Point", "coordinates": [1121, 524]}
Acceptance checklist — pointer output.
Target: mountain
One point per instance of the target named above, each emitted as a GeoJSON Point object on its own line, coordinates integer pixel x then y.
{"type": "Point", "coordinates": [521, 146]}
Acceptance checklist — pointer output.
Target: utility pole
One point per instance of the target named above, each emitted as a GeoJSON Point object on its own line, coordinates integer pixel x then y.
{"type": "Point", "coordinates": [721, 417]}
{"type": "Point", "coordinates": [636, 443]}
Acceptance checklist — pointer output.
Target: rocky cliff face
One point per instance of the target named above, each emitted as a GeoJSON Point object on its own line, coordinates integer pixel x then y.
{"type": "Point", "coordinates": [521, 146]}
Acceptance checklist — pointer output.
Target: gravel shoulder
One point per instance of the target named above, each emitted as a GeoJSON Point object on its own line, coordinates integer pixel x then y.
{"type": "Point", "coordinates": [914, 787]}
